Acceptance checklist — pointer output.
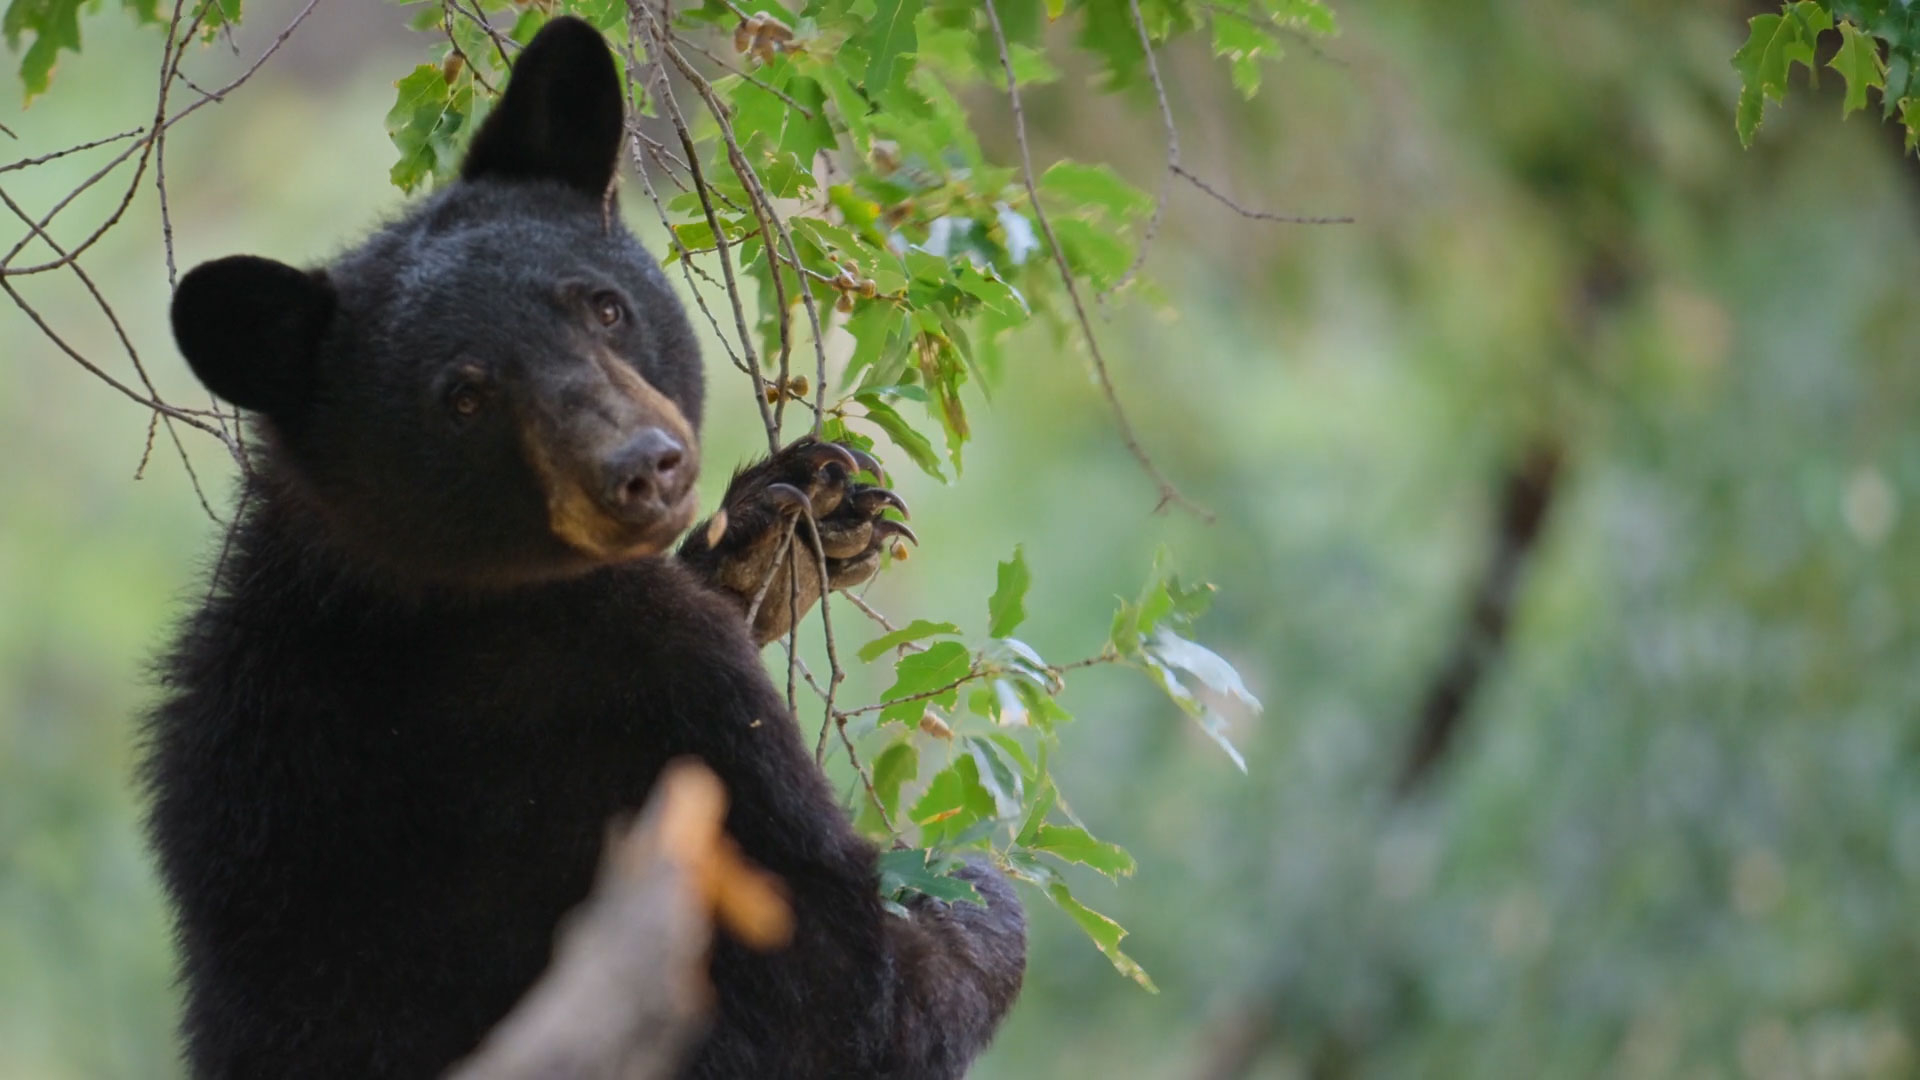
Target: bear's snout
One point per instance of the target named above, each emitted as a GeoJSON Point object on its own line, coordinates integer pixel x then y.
{"type": "Point", "coordinates": [646, 476]}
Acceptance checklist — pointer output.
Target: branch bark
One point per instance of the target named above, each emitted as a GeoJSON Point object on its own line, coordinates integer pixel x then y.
{"type": "Point", "coordinates": [627, 996]}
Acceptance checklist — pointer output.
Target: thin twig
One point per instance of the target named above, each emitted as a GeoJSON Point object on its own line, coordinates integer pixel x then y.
{"type": "Point", "coordinates": [27, 163]}
{"type": "Point", "coordinates": [1173, 157]}
{"type": "Point", "coordinates": [751, 78]}
{"type": "Point", "coordinates": [1169, 494]}
{"type": "Point", "coordinates": [446, 24]}
{"type": "Point", "coordinates": [671, 107]}
{"type": "Point", "coordinates": [753, 609]}
{"type": "Point", "coordinates": [1257, 215]}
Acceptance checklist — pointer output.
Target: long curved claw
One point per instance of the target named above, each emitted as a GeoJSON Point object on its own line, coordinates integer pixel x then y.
{"type": "Point", "coordinates": [870, 500]}
{"type": "Point", "coordinates": [886, 527]}
{"type": "Point", "coordinates": [869, 463]}
{"type": "Point", "coordinates": [821, 453]}
{"type": "Point", "coordinates": [789, 500]}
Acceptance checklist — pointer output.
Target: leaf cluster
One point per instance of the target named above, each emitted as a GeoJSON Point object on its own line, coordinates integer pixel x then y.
{"type": "Point", "coordinates": [1876, 48]}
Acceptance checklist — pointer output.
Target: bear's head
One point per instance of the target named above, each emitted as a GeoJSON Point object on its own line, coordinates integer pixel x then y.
{"type": "Point", "coordinates": [498, 387]}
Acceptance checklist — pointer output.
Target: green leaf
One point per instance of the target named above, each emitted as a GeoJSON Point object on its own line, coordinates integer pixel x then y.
{"type": "Point", "coordinates": [942, 664]}
{"type": "Point", "coordinates": [1079, 186]}
{"type": "Point", "coordinates": [1858, 62]}
{"type": "Point", "coordinates": [890, 33]}
{"type": "Point", "coordinates": [896, 765]}
{"type": "Point", "coordinates": [903, 435]}
{"type": "Point", "coordinates": [1312, 16]}
{"type": "Point", "coordinates": [1077, 845]}
{"type": "Point", "coordinates": [953, 801]}
{"type": "Point", "coordinates": [55, 25]}
{"type": "Point", "coordinates": [1098, 253]}
{"type": "Point", "coordinates": [1037, 812]}
{"type": "Point", "coordinates": [1106, 933]}
{"type": "Point", "coordinates": [1774, 44]}
{"type": "Point", "coordinates": [427, 117]}
{"type": "Point", "coordinates": [914, 631]}
{"type": "Point", "coordinates": [999, 776]}
{"type": "Point", "coordinates": [1006, 608]}
{"type": "Point", "coordinates": [1244, 44]}
{"type": "Point", "coordinates": [911, 871]}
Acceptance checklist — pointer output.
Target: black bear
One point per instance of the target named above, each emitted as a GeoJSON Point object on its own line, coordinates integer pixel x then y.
{"type": "Point", "coordinates": [447, 643]}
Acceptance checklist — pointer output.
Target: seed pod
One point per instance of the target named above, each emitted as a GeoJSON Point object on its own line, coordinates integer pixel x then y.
{"type": "Point", "coordinates": [451, 66]}
{"type": "Point", "coordinates": [899, 552]}
{"type": "Point", "coordinates": [844, 305]}
{"type": "Point", "coordinates": [931, 723]}
{"type": "Point", "coordinates": [797, 386]}
{"type": "Point", "coordinates": [773, 30]}
{"type": "Point", "coordinates": [747, 33]}
{"type": "Point", "coordinates": [867, 289]}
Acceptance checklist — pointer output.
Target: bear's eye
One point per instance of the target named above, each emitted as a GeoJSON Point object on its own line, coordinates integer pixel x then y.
{"type": "Point", "coordinates": [608, 308]}
{"type": "Point", "coordinates": [465, 400]}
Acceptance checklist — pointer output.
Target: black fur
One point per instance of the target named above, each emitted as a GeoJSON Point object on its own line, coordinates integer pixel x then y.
{"type": "Point", "coordinates": [393, 736]}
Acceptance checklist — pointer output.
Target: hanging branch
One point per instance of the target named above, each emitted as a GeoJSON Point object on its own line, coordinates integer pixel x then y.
{"type": "Point", "coordinates": [1175, 168]}
{"type": "Point", "coordinates": [1169, 494]}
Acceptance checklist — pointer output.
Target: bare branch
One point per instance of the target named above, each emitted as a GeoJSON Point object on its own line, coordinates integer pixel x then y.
{"type": "Point", "coordinates": [627, 995]}
{"type": "Point", "coordinates": [1169, 494]}
{"type": "Point", "coordinates": [1257, 215]}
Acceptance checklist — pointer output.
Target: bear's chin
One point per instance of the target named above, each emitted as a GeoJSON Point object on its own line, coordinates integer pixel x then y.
{"type": "Point", "coordinates": [608, 541]}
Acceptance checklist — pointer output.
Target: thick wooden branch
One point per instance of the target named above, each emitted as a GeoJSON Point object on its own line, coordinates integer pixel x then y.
{"type": "Point", "coordinates": [627, 996]}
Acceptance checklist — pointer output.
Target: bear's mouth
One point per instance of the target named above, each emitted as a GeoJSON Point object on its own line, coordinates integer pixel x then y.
{"type": "Point", "coordinates": [579, 521]}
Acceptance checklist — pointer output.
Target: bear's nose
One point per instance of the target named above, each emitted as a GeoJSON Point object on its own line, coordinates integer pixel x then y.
{"type": "Point", "coordinates": [648, 473]}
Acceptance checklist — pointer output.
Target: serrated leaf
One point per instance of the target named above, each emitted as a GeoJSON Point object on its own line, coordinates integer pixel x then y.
{"type": "Point", "coordinates": [916, 445]}
{"type": "Point", "coordinates": [914, 631]}
{"type": "Point", "coordinates": [1244, 45]}
{"type": "Point", "coordinates": [1079, 186]}
{"type": "Point", "coordinates": [942, 664]}
{"type": "Point", "coordinates": [1774, 44]}
{"type": "Point", "coordinates": [1313, 16]}
{"type": "Point", "coordinates": [427, 117]}
{"type": "Point", "coordinates": [1037, 812]}
{"type": "Point", "coordinates": [1077, 845]}
{"type": "Point", "coordinates": [910, 870]}
{"type": "Point", "coordinates": [1204, 664]}
{"type": "Point", "coordinates": [999, 776]}
{"type": "Point", "coordinates": [1098, 254]}
{"type": "Point", "coordinates": [890, 33]}
{"type": "Point", "coordinates": [1006, 608]}
{"type": "Point", "coordinates": [953, 801]}
{"type": "Point", "coordinates": [896, 765]}
{"type": "Point", "coordinates": [1859, 64]}
{"type": "Point", "coordinates": [1106, 934]}
{"type": "Point", "coordinates": [55, 25]}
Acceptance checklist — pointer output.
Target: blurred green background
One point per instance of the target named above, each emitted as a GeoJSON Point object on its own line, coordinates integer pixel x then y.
{"type": "Point", "coordinates": [1678, 833]}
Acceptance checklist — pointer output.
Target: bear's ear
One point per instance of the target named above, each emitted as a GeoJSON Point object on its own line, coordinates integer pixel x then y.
{"type": "Point", "coordinates": [250, 328]}
{"type": "Point", "coordinates": [560, 118]}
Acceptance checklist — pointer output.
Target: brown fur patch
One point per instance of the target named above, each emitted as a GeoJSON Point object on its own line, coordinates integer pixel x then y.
{"type": "Point", "coordinates": [575, 516]}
